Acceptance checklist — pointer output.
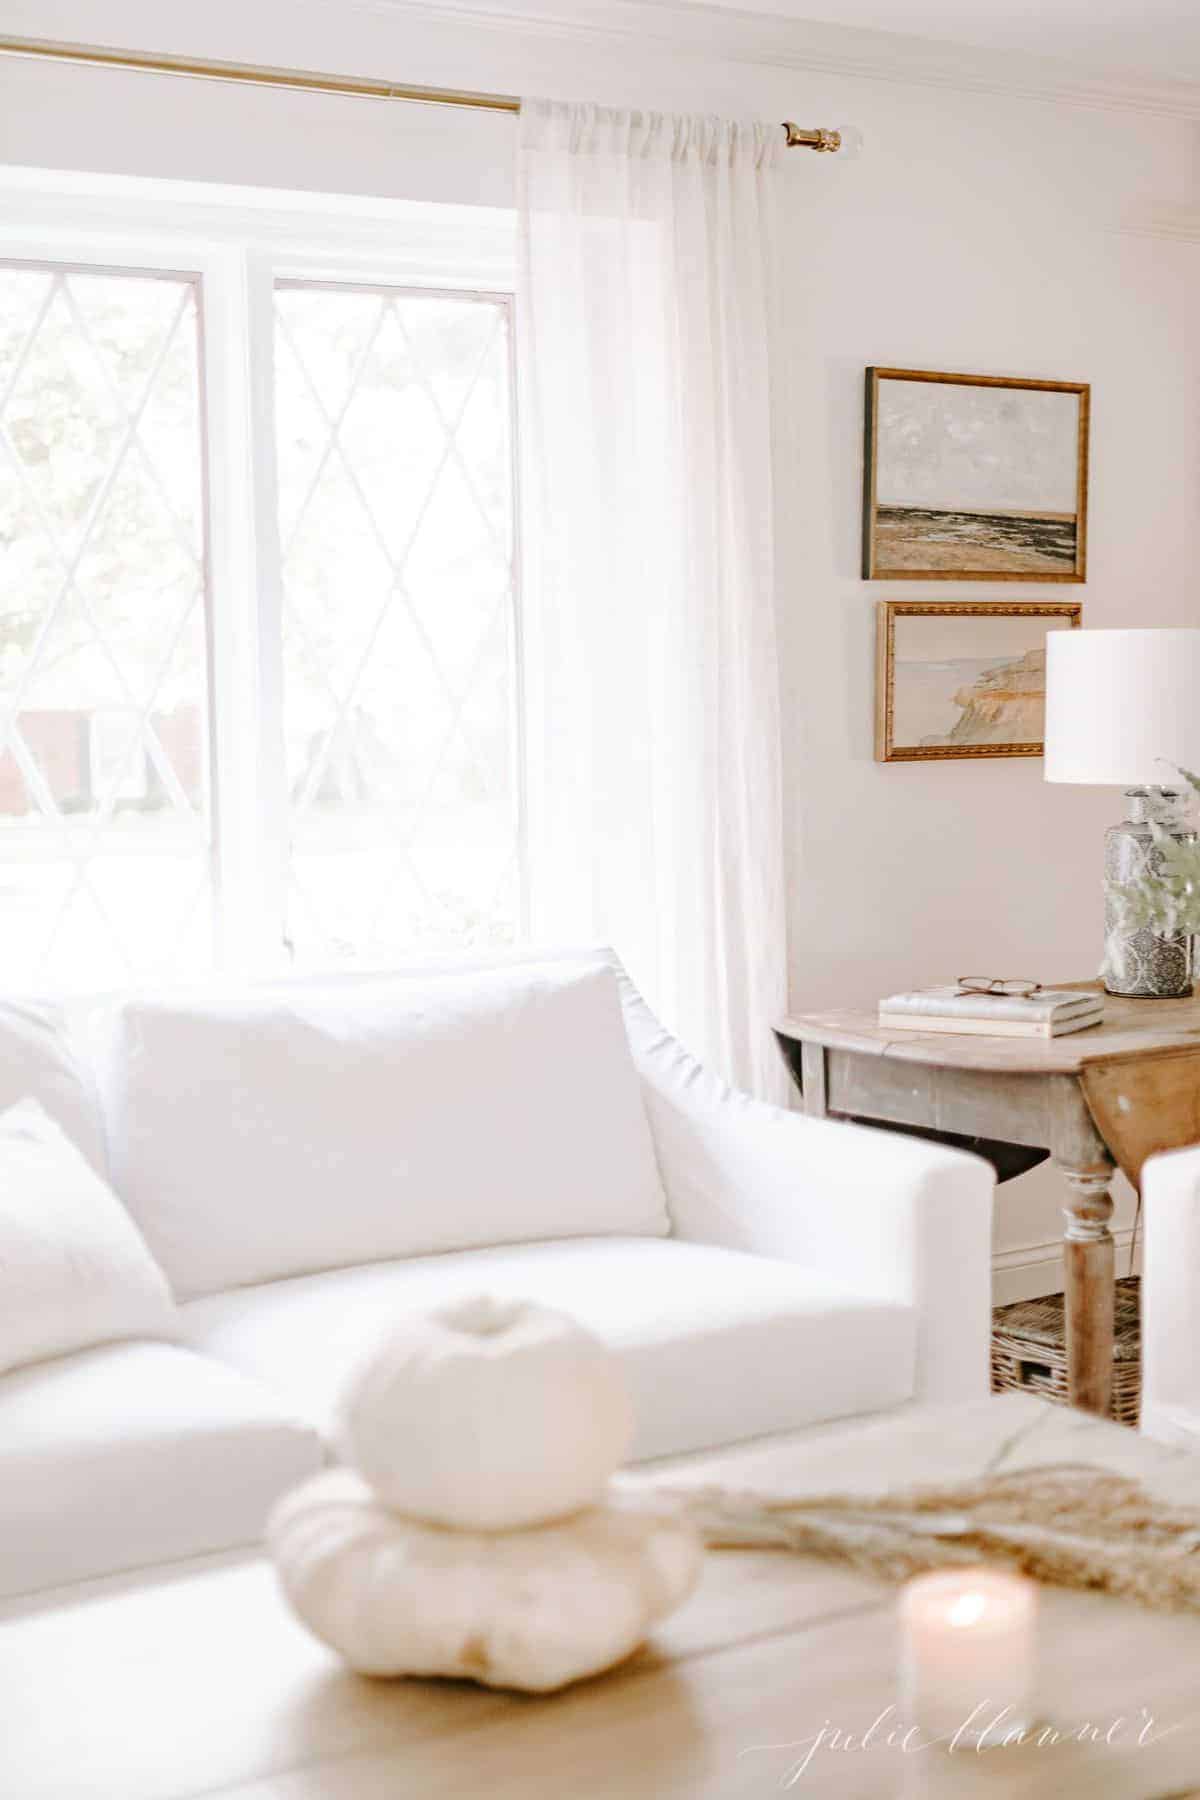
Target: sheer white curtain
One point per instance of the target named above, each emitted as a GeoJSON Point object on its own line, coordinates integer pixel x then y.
{"type": "Point", "coordinates": [652, 696]}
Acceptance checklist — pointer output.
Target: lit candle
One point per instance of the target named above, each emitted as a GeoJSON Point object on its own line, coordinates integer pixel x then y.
{"type": "Point", "coordinates": [968, 1652]}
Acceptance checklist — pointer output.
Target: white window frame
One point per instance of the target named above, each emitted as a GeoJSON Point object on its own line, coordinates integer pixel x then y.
{"type": "Point", "coordinates": [236, 244]}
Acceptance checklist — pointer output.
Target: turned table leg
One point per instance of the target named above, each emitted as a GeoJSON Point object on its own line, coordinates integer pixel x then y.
{"type": "Point", "coordinates": [1087, 1168]}
{"type": "Point", "coordinates": [1088, 1258]}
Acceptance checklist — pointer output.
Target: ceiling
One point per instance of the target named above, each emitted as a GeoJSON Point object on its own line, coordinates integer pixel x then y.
{"type": "Point", "coordinates": [1159, 39]}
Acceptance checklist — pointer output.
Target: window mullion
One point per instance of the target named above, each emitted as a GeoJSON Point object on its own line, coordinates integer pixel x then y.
{"type": "Point", "coordinates": [272, 820]}
{"type": "Point", "coordinates": [248, 807]}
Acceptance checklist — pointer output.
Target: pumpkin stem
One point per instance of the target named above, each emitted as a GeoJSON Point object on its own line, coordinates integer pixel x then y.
{"type": "Point", "coordinates": [481, 1316]}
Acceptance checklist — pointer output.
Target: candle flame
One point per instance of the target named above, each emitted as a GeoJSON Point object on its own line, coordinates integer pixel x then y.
{"type": "Point", "coordinates": [968, 1609]}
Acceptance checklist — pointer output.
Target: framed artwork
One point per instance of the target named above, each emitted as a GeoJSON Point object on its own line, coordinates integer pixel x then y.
{"type": "Point", "coordinates": [963, 678]}
{"type": "Point", "coordinates": [974, 478]}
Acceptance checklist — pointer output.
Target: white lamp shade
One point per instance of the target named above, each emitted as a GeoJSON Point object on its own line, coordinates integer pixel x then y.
{"type": "Point", "coordinates": [1122, 707]}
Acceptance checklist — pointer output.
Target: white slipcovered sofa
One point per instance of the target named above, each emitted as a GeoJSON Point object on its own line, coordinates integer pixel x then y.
{"type": "Point", "coordinates": [1170, 1297]}
{"type": "Point", "coordinates": [307, 1161]}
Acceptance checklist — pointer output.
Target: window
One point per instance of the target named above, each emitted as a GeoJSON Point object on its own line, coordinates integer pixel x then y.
{"type": "Point", "coordinates": [104, 836]}
{"type": "Point", "coordinates": [395, 520]}
{"type": "Point", "coordinates": [258, 645]}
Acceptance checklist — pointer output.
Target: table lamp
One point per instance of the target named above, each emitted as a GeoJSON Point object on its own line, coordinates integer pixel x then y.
{"type": "Point", "coordinates": [1123, 710]}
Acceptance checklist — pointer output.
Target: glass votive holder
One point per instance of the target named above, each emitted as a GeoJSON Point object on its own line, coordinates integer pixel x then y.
{"type": "Point", "coordinates": [968, 1653]}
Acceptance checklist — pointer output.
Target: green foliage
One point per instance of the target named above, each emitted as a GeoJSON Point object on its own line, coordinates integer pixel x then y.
{"type": "Point", "coordinates": [90, 505]}
{"type": "Point", "coordinates": [1164, 897]}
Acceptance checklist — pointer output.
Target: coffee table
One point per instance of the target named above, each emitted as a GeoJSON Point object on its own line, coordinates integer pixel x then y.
{"type": "Point", "coordinates": [195, 1680]}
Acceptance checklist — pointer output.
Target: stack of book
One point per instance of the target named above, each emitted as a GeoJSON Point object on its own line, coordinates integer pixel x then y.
{"type": "Point", "coordinates": [1049, 1013]}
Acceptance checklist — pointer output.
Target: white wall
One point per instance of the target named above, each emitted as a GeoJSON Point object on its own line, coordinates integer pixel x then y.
{"type": "Point", "coordinates": [968, 238]}
{"type": "Point", "coordinates": [991, 232]}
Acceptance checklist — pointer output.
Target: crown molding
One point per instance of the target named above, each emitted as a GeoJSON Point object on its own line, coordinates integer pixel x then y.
{"type": "Point", "coordinates": [744, 36]}
{"type": "Point", "coordinates": [390, 33]}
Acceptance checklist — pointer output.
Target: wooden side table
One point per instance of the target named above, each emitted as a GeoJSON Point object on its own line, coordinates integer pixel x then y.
{"type": "Point", "coordinates": [1111, 1095]}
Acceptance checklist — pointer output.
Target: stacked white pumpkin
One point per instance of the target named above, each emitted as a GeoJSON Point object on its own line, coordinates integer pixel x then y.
{"type": "Point", "coordinates": [473, 1532]}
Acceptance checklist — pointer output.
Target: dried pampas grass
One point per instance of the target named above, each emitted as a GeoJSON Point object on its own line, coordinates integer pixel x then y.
{"type": "Point", "coordinates": [1070, 1525]}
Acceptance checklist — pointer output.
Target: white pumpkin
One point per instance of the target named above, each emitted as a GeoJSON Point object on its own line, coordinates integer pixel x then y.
{"type": "Point", "coordinates": [487, 1414]}
{"type": "Point", "coordinates": [528, 1609]}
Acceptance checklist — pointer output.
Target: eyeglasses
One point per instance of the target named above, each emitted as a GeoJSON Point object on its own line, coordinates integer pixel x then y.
{"type": "Point", "coordinates": [995, 984]}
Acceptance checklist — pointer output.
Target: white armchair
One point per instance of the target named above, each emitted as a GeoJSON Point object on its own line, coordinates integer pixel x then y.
{"type": "Point", "coordinates": [876, 1213]}
{"type": "Point", "coordinates": [1171, 1298]}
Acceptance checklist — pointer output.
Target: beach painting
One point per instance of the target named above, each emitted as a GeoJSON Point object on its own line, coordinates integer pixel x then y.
{"type": "Point", "coordinates": [963, 679]}
{"type": "Point", "coordinates": [974, 477]}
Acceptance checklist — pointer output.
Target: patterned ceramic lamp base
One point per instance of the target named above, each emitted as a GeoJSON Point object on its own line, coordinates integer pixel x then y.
{"type": "Point", "coordinates": [1145, 965]}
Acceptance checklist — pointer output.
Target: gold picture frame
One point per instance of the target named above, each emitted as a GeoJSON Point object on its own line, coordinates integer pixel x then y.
{"type": "Point", "coordinates": [991, 658]}
{"type": "Point", "coordinates": [974, 486]}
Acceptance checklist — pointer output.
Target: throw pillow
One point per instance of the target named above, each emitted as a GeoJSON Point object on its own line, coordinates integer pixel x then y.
{"type": "Point", "coordinates": [74, 1269]}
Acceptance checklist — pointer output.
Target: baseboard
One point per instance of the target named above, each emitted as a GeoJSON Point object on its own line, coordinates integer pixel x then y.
{"type": "Point", "coordinates": [1028, 1270]}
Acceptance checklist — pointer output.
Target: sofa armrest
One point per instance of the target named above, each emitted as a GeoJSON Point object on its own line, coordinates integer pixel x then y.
{"type": "Point", "coordinates": [1170, 1296]}
{"type": "Point", "coordinates": [880, 1213]}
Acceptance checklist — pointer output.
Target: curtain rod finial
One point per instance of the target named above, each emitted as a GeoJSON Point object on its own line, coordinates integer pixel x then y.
{"type": "Point", "coordinates": [818, 139]}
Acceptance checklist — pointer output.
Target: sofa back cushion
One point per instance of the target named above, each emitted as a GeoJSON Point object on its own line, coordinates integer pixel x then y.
{"type": "Point", "coordinates": [299, 1128]}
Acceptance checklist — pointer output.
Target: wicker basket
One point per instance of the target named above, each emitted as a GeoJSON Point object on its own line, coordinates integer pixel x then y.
{"type": "Point", "coordinates": [1029, 1350]}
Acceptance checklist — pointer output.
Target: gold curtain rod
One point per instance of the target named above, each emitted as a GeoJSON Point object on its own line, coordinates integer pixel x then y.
{"type": "Point", "coordinates": [308, 81]}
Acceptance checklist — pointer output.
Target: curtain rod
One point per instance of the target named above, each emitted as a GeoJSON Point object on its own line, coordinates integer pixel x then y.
{"type": "Point", "coordinates": [310, 81]}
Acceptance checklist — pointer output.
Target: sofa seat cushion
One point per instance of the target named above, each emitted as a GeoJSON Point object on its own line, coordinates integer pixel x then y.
{"type": "Point", "coordinates": [283, 1130]}
{"type": "Point", "coordinates": [132, 1454]}
{"type": "Point", "coordinates": [718, 1345]}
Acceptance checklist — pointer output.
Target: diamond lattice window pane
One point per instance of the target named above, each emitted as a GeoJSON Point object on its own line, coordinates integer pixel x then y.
{"type": "Point", "coordinates": [396, 518]}
{"type": "Point", "coordinates": [104, 837]}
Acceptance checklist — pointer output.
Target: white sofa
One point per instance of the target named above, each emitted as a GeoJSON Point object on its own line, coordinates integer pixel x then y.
{"type": "Point", "coordinates": [1170, 1297]}
{"type": "Point", "coordinates": [306, 1161]}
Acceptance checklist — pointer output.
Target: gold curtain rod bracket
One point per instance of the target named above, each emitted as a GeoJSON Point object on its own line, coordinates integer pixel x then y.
{"type": "Point", "coordinates": [312, 81]}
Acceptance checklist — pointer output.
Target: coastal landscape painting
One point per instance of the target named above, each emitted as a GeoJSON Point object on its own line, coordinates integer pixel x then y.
{"type": "Point", "coordinates": [974, 477]}
{"type": "Point", "coordinates": [963, 679]}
